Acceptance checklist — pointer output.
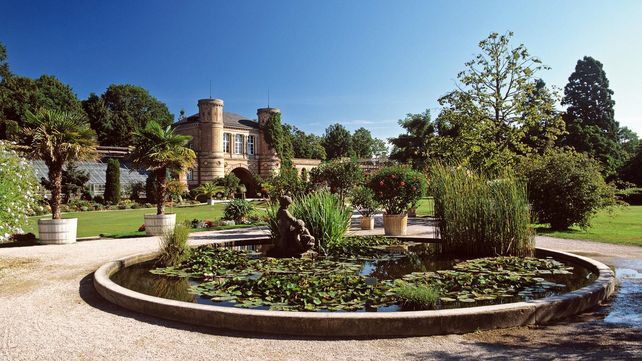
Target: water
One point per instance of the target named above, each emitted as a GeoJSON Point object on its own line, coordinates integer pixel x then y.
{"type": "Point", "coordinates": [416, 258]}
{"type": "Point", "coordinates": [626, 307]}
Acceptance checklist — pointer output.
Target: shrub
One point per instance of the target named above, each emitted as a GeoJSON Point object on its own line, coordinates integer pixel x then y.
{"type": "Point", "coordinates": [325, 216]}
{"type": "Point", "coordinates": [135, 189]}
{"type": "Point", "coordinates": [566, 188]}
{"type": "Point", "coordinates": [339, 175]}
{"type": "Point", "coordinates": [18, 192]}
{"type": "Point", "coordinates": [230, 183]}
{"type": "Point", "coordinates": [363, 200]}
{"type": "Point", "coordinates": [632, 196]}
{"type": "Point", "coordinates": [99, 199]}
{"type": "Point", "coordinates": [238, 210]}
{"type": "Point", "coordinates": [481, 216]}
{"type": "Point", "coordinates": [397, 188]}
{"type": "Point", "coordinates": [112, 184]}
{"type": "Point", "coordinates": [174, 248]}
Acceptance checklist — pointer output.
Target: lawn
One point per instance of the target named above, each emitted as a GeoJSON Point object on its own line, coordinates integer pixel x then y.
{"type": "Point", "coordinates": [623, 225]}
{"type": "Point", "coordinates": [426, 207]}
{"type": "Point", "coordinates": [117, 222]}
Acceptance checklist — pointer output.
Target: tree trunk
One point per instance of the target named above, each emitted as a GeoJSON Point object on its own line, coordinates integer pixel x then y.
{"type": "Point", "coordinates": [161, 187]}
{"type": "Point", "coordinates": [55, 177]}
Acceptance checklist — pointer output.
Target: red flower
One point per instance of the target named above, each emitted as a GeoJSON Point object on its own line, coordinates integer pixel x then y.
{"type": "Point", "coordinates": [392, 176]}
{"type": "Point", "coordinates": [414, 188]}
{"type": "Point", "coordinates": [381, 183]}
{"type": "Point", "coordinates": [402, 183]}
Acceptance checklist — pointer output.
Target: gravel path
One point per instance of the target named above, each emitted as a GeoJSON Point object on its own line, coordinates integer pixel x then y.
{"type": "Point", "coordinates": [49, 310]}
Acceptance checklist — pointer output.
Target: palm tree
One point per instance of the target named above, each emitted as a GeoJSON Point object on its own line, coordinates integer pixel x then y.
{"type": "Point", "coordinates": [56, 138]}
{"type": "Point", "coordinates": [159, 150]}
{"type": "Point", "coordinates": [210, 190]}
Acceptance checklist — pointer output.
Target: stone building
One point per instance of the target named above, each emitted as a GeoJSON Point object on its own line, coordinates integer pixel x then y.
{"type": "Point", "coordinates": [231, 143]}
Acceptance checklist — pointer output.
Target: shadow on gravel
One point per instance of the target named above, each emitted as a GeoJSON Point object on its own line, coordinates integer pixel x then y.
{"type": "Point", "coordinates": [583, 337]}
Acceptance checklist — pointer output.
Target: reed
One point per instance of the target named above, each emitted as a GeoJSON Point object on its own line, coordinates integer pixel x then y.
{"type": "Point", "coordinates": [480, 216]}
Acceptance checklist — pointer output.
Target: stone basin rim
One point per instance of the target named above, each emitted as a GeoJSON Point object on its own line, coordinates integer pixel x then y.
{"type": "Point", "coordinates": [361, 324]}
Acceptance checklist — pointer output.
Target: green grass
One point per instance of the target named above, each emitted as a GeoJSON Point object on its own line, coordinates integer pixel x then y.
{"type": "Point", "coordinates": [120, 223]}
{"type": "Point", "coordinates": [426, 207]}
{"type": "Point", "coordinates": [623, 225]}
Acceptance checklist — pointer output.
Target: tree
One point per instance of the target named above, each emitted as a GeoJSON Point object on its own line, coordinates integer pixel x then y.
{"type": "Point", "coordinates": [112, 184]}
{"type": "Point", "coordinates": [632, 169]}
{"type": "Point", "coordinates": [230, 184]}
{"type": "Point", "coordinates": [4, 65]}
{"type": "Point", "coordinates": [56, 138]}
{"type": "Point", "coordinates": [362, 143]}
{"type": "Point", "coordinates": [589, 117]}
{"type": "Point", "coordinates": [379, 148]}
{"type": "Point", "coordinates": [122, 110]}
{"type": "Point", "coordinates": [337, 142]}
{"type": "Point", "coordinates": [74, 182]}
{"type": "Point", "coordinates": [486, 119]}
{"type": "Point", "coordinates": [308, 146]}
{"type": "Point", "coordinates": [210, 190]}
{"type": "Point", "coordinates": [340, 176]}
{"type": "Point", "coordinates": [160, 150]}
{"type": "Point", "coordinates": [629, 142]}
{"type": "Point", "coordinates": [415, 147]}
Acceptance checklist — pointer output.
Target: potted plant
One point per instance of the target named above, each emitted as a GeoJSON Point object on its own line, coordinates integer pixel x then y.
{"type": "Point", "coordinates": [396, 189]}
{"type": "Point", "coordinates": [210, 190]}
{"type": "Point", "coordinates": [161, 151]}
{"type": "Point", "coordinates": [363, 200]}
{"type": "Point", "coordinates": [57, 138]}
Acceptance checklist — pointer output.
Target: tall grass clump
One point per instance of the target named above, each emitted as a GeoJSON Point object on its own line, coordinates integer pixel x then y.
{"type": "Point", "coordinates": [174, 248]}
{"type": "Point", "coordinates": [481, 216]}
{"type": "Point", "coordinates": [325, 216]}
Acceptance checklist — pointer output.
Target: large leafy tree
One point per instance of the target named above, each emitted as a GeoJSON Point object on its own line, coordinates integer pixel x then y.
{"type": "Point", "coordinates": [337, 142]}
{"type": "Point", "coordinates": [362, 143]}
{"type": "Point", "coordinates": [491, 113]}
{"type": "Point", "coordinates": [590, 118]}
{"type": "Point", "coordinates": [632, 169]}
{"type": "Point", "coordinates": [415, 146]}
{"type": "Point", "coordinates": [159, 150]}
{"type": "Point", "coordinates": [122, 110]}
{"type": "Point", "coordinates": [304, 145]}
{"type": "Point", "coordinates": [379, 148]}
{"type": "Point", "coordinates": [629, 142]}
{"type": "Point", "coordinates": [57, 138]}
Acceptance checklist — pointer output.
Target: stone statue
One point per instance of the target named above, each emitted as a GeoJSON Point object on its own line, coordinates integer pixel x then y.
{"type": "Point", "coordinates": [295, 239]}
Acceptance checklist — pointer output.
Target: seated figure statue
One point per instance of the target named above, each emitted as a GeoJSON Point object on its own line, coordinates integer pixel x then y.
{"type": "Point", "coordinates": [295, 239]}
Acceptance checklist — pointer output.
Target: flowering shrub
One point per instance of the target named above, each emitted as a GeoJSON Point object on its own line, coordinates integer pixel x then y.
{"type": "Point", "coordinates": [18, 191]}
{"type": "Point", "coordinates": [397, 188]}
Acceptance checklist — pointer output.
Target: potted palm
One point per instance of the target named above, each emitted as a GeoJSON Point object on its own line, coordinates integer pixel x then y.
{"type": "Point", "coordinates": [396, 189]}
{"type": "Point", "coordinates": [363, 200]}
{"type": "Point", "coordinates": [161, 151]}
{"type": "Point", "coordinates": [210, 190]}
{"type": "Point", "coordinates": [56, 138]}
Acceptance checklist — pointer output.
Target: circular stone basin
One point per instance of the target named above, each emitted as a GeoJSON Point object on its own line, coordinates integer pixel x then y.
{"type": "Point", "coordinates": [180, 305]}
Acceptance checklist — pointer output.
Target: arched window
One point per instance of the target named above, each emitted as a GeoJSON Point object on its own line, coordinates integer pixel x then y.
{"type": "Point", "coordinates": [226, 142]}
{"type": "Point", "coordinates": [238, 144]}
{"type": "Point", "coordinates": [250, 145]}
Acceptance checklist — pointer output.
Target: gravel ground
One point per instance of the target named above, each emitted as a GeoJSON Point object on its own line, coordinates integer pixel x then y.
{"type": "Point", "coordinates": [49, 310]}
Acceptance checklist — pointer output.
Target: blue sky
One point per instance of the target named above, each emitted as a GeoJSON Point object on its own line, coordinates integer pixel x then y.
{"type": "Point", "coordinates": [359, 63]}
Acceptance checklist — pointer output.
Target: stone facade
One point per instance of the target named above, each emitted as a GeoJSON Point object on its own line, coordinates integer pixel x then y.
{"type": "Point", "coordinates": [230, 143]}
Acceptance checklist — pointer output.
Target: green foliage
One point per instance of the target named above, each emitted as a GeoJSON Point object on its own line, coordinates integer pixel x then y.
{"type": "Point", "coordinates": [162, 151]}
{"type": "Point", "coordinates": [174, 248]}
{"type": "Point", "coordinates": [230, 184]}
{"type": "Point", "coordinates": [134, 190]}
{"type": "Point", "coordinates": [339, 175]}
{"type": "Point", "coordinates": [287, 182]}
{"type": "Point", "coordinates": [57, 138]}
{"type": "Point", "coordinates": [629, 142]}
{"type": "Point", "coordinates": [379, 148]}
{"type": "Point", "coordinates": [18, 191]}
{"type": "Point", "coordinates": [307, 146]}
{"type": "Point", "coordinates": [238, 210]}
{"type": "Point", "coordinates": [590, 121]}
{"type": "Point", "coordinates": [325, 216]}
{"type": "Point", "coordinates": [362, 143]}
{"type": "Point", "coordinates": [337, 142]}
{"type": "Point", "coordinates": [278, 139]}
{"type": "Point", "coordinates": [566, 188]}
{"type": "Point", "coordinates": [492, 116]}
{"type": "Point", "coordinates": [121, 111]}
{"type": "Point", "coordinates": [397, 188]}
{"type": "Point", "coordinates": [417, 146]}
{"type": "Point", "coordinates": [176, 190]}
{"type": "Point", "coordinates": [480, 216]}
{"type": "Point", "coordinates": [73, 182]}
{"type": "Point", "coordinates": [417, 295]}
{"type": "Point", "coordinates": [211, 189]}
{"type": "Point", "coordinates": [363, 199]}
{"type": "Point", "coordinates": [632, 169]}
{"type": "Point", "coordinates": [112, 184]}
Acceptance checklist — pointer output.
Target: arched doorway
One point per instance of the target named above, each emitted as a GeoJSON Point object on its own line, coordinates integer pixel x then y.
{"type": "Point", "coordinates": [247, 179]}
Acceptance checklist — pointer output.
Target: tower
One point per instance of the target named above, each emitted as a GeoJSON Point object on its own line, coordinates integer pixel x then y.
{"type": "Point", "coordinates": [268, 162]}
{"type": "Point", "coordinates": [212, 163]}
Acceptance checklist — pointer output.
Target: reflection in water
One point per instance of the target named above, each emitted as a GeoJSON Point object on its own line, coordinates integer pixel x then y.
{"type": "Point", "coordinates": [627, 304]}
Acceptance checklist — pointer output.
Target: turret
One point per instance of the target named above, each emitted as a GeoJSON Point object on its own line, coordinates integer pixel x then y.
{"type": "Point", "coordinates": [212, 163]}
{"type": "Point", "coordinates": [269, 162]}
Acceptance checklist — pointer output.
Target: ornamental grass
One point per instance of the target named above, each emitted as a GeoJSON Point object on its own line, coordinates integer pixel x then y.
{"type": "Point", "coordinates": [480, 216]}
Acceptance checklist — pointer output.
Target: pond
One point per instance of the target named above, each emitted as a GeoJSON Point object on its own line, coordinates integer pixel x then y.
{"type": "Point", "coordinates": [372, 278]}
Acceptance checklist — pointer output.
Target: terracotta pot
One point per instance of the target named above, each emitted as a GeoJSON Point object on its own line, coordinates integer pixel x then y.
{"type": "Point", "coordinates": [57, 231]}
{"type": "Point", "coordinates": [367, 223]}
{"type": "Point", "coordinates": [157, 225]}
{"type": "Point", "coordinates": [395, 224]}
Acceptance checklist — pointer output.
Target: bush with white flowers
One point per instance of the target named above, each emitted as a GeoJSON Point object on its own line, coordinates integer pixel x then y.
{"type": "Point", "coordinates": [19, 190]}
